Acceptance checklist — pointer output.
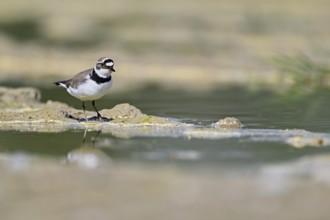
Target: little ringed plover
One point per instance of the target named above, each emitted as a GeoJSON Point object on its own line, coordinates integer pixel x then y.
{"type": "Point", "coordinates": [91, 84]}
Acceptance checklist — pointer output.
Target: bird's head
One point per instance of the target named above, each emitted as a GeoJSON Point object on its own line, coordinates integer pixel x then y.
{"type": "Point", "coordinates": [104, 67]}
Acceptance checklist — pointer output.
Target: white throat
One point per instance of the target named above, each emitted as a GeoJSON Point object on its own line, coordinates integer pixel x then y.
{"type": "Point", "coordinates": [104, 73]}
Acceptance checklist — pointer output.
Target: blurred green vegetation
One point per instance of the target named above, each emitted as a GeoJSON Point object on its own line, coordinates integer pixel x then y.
{"type": "Point", "coordinates": [308, 95]}
{"type": "Point", "coordinates": [307, 74]}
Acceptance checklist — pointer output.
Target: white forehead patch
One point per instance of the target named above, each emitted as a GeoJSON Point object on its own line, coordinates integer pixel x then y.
{"type": "Point", "coordinates": [109, 64]}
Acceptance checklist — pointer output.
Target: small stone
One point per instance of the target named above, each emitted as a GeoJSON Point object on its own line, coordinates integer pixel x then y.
{"type": "Point", "coordinates": [301, 141]}
{"type": "Point", "coordinates": [228, 123]}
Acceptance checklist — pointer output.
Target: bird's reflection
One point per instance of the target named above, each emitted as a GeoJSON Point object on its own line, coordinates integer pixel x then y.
{"type": "Point", "coordinates": [87, 155]}
{"type": "Point", "coordinates": [93, 138]}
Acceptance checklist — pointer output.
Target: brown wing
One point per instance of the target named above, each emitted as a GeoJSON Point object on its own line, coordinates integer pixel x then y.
{"type": "Point", "coordinates": [79, 78]}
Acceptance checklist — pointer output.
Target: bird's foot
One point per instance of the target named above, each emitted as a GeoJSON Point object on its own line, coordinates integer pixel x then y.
{"type": "Point", "coordinates": [94, 118]}
{"type": "Point", "coordinates": [75, 118]}
{"type": "Point", "coordinates": [100, 119]}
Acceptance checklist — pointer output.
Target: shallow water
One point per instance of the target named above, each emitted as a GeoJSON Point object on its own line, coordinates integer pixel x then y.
{"type": "Point", "coordinates": [173, 178]}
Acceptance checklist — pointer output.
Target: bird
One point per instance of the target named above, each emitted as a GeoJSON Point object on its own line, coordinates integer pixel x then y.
{"type": "Point", "coordinates": [91, 84]}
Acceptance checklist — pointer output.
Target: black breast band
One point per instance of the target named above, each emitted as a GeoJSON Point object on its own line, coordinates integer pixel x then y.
{"type": "Point", "coordinates": [99, 79]}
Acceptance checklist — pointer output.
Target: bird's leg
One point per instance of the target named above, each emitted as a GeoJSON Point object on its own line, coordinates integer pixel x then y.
{"type": "Point", "coordinates": [95, 137]}
{"type": "Point", "coordinates": [84, 137]}
{"type": "Point", "coordinates": [84, 109]}
{"type": "Point", "coordinates": [98, 114]}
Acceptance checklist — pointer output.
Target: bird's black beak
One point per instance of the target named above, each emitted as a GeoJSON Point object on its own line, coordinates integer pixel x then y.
{"type": "Point", "coordinates": [112, 69]}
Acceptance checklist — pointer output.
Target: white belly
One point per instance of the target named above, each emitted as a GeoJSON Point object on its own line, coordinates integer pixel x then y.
{"type": "Point", "coordinates": [90, 90]}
